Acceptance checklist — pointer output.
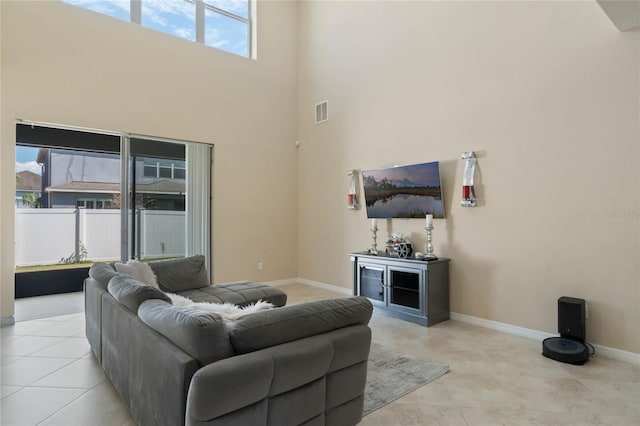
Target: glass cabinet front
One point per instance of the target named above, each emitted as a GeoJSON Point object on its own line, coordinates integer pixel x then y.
{"type": "Point", "coordinates": [371, 282]}
{"type": "Point", "coordinates": [404, 288]}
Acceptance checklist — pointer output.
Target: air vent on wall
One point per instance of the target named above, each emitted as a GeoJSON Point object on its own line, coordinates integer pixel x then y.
{"type": "Point", "coordinates": [322, 112]}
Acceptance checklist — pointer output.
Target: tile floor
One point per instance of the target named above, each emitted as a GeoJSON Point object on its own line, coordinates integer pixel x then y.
{"type": "Point", "coordinates": [54, 305]}
{"type": "Point", "coordinates": [49, 377]}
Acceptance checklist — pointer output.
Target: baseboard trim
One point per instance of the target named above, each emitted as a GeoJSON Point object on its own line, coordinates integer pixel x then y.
{"type": "Point", "coordinates": [305, 281]}
{"type": "Point", "coordinates": [617, 354]}
{"type": "Point", "coordinates": [500, 326]}
{"type": "Point", "coordinates": [329, 287]}
{"type": "Point", "coordinates": [278, 283]}
{"type": "Point", "coordinates": [7, 321]}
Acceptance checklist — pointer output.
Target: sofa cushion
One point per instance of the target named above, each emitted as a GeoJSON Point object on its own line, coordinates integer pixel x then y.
{"type": "Point", "coordinates": [239, 293]}
{"type": "Point", "coordinates": [132, 293]}
{"type": "Point", "coordinates": [203, 335]}
{"type": "Point", "coordinates": [289, 323]}
{"type": "Point", "coordinates": [181, 274]}
{"type": "Point", "coordinates": [102, 273]}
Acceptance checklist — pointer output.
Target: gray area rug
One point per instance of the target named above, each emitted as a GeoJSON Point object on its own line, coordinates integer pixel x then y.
{"type": "Point", "coordinates": [391, 375]}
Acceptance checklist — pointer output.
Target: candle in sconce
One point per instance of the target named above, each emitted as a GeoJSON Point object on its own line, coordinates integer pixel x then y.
{"type": "Point", "coordinates": [374, 225]}
{"type": "Point", "coordinates": [429, 221]}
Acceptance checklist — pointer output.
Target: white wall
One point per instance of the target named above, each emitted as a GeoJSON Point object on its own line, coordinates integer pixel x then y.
{"type": "Point", "coordinates": [63, 64]}
{"type": "Point", "coordinates": [547, 93]}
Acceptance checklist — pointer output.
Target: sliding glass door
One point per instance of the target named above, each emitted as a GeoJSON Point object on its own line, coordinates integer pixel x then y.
{"type": "Point", "coordinates": [169, 198]}
{"type": "Point", "coordinates": [126, 197]}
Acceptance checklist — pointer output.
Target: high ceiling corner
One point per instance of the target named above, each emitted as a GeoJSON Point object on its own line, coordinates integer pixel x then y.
{"type": "Point", "coordinates": [625, 14]}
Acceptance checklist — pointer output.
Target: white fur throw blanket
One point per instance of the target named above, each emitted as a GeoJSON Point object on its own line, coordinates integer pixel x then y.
{"type": "Point", "coordinates": [228, 311]}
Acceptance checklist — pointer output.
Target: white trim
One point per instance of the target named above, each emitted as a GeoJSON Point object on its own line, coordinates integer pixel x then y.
{"type": "Point", "coordinates": [617, 354]}
{"type": "Point", "coordinates": [500, 326]}
{"type": "Point", "coordinates": [311, 283]}
{"type": "Point", "coordinates": [278, 283]}
{"type": "Point", "coordinates": [330, 287]}
{"type": "Point", "coordinates": [7, 321]}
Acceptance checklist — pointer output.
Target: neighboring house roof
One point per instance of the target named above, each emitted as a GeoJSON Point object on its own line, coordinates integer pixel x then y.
{"type": "Point", "coordinates": [158, 187]}
{"type": "Point", "coordinates": [29, 181]}
{"type": "Point", "coordinates": [94, 187]}
{"type": "Point", "coordinates": [161, 187]}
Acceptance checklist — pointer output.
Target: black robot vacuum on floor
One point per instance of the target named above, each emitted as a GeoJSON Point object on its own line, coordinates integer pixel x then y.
{"type": "Point", "coordinates": [571, 346]}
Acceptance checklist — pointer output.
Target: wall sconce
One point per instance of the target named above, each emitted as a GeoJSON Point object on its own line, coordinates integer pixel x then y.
{"type": "Point", "coordinates": [468, 193]}
{"type": "Point", "coordinates": [352, 195]}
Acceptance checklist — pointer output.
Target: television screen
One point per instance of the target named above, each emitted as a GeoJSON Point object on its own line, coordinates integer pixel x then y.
{"type": "Point", "coordinates": [403, 192]}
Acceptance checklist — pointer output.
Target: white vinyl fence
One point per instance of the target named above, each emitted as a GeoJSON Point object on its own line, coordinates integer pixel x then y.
{"type": "Point", "coordinates": [46, 236]}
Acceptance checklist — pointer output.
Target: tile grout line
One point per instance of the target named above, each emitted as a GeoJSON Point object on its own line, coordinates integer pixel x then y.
{"type": "Point", "coordinates": [64, 406]}
{"type": "Point", "coordinates": [72, 401]}
{"type": "Point", "coordinates": [72, 360]}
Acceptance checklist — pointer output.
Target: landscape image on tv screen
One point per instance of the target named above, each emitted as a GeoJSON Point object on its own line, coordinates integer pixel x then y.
{"type": "Point", "coordinates": [403, 192]}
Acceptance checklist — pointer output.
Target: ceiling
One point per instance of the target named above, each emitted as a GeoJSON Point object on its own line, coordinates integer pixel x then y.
{"type": "Point", "coordinates": [625, 14]}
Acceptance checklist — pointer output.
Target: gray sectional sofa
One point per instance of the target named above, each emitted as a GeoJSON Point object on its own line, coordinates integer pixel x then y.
{"type": "Point", "coordinates": [292, 365]}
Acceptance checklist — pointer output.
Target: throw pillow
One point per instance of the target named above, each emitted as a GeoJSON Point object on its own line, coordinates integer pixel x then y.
{"type": "Point", "coordinates": [185, 273]}
{"type": "Point", "coordinates": [140, 271]}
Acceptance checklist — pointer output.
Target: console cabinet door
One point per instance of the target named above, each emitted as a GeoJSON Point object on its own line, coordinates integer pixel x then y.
{"type": "Point", "coordinates": [371, 282]}
{"type": "Point", "coordinates": [405, 287]}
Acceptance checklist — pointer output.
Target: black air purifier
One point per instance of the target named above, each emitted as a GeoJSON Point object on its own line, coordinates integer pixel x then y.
{"type": "Point", "coordinates": [570, 347]}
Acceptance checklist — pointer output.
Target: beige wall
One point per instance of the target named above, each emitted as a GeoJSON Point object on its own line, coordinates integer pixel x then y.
{"type": "Point", "coordinates": [546, 93]}
{"type": "Point", "coordinates": [63, 64]}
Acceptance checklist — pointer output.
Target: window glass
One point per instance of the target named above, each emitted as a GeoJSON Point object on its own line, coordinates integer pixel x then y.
{"type": "Point", "coordinates": [175, 17]}
{"type": "Point", "coordinates": [226, 24]}
{"type": "Point", "coordinates": [150, 171]}
{"type": "Point", "coordinates": [237, 7]}
{"type": "Point", "coordinates": [165, 172]}
{"type": "Point", "coordinates": [178, 173]}
{"type": "Point", "coordinates": [225, 33]}
{"type": "Point", "coordinates": [120, 9]}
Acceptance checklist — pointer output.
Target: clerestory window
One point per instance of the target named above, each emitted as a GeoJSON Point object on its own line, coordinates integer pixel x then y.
{"type": "Point", "coordinates": [223, 24]}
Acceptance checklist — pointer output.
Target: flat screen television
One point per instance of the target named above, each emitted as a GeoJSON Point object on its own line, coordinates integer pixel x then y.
{"type": "Point", "coordinates": [411, 191]}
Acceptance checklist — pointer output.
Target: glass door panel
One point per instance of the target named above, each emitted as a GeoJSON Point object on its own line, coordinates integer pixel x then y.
{"type": "Point", "coordinates": [404, 287]}
{"type": "Point", "coordinates": [371, 282]}
{"type": "Point", "coordinates": [157, 199]}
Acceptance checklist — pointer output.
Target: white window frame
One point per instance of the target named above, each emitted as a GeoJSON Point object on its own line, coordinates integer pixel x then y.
{"type": "Point", "coordinates": [201, 8]}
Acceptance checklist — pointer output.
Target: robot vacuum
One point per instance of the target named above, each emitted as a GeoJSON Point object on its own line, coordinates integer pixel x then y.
{"type": "Point", "coordinates": [565, 350]}
{"type": "Point", "coordinates": [571, 346]}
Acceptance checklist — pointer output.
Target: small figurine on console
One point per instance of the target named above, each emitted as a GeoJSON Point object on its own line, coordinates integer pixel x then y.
{"type": "Point", "coordinates": [401, 246]}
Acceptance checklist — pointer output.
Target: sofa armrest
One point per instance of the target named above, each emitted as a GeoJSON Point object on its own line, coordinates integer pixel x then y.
{"type": "Point", "coordinates": [93, 292]}
{"type": "Point", "coordinates": [102, 274]}
{"type": "Point", "coordinates": [150, 373]}
{"type": "Point", "coordinates": [318, 377]}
